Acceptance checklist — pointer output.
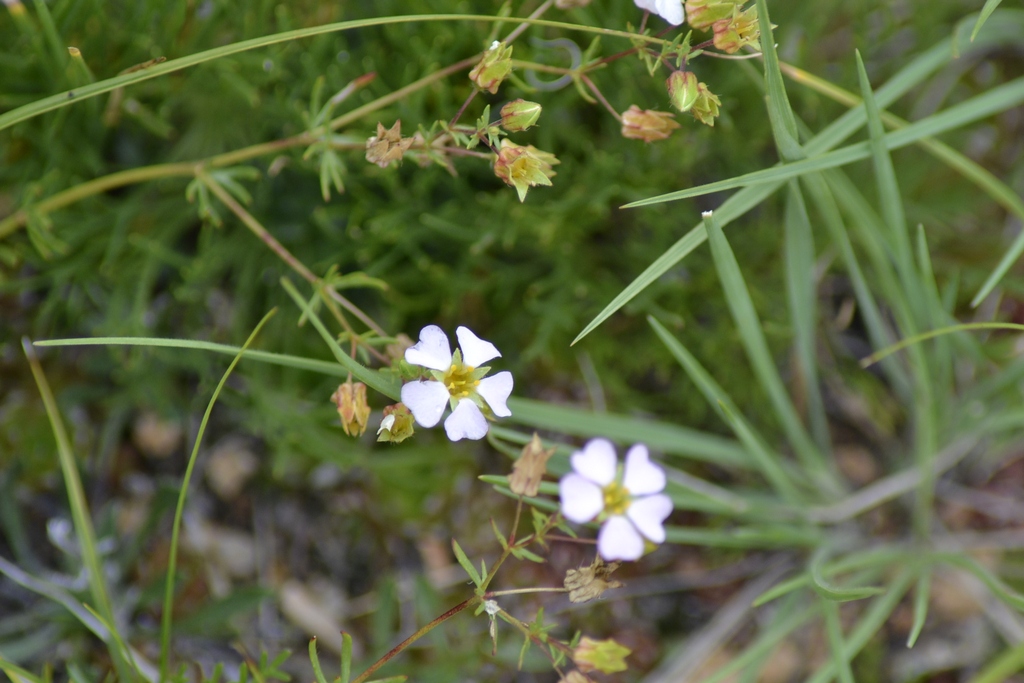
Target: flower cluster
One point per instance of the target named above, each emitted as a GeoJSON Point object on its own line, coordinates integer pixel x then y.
{"type": "Point", "coordinates": [459, 381]}
{"type": "Point", "coordinates": [629, 502]}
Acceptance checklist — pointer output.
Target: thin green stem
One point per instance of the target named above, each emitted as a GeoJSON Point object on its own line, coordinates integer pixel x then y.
{"type": "Point", "coordinates": [393, 652]}
{"type": "Point", "coordinates": [172, 561]}
{"type": "Point", "coordinates": [286, 256]}
{"type": "Point", "coordinates": [521, 591]}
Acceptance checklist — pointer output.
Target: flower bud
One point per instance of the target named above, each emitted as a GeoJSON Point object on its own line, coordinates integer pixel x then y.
{"type": "Point", "coordinates": [529, 469]}
{"type": "Point", "coordinates": [494, 67]}
{"type": "Point", "coordinates": [605, 656]}
{"type": "Point", "coordinates": [387, 145]}
{"type": "Point", "coordinates": [705, 109]}
{"type": "Point", "coordinates": [524, 166]}
{"type": "Point", "coordinates": [682, 89]}
{"type": "Point", "coordinates": [703, 13]}
{"type": "Point", "coordinates": [352, 407]}
{"type": "Point", "coordinates": [738, 30]}
{"type": "Point", "coordinates": [397, 425]}
{"type": "Point", "coordinates": [647, 125]}
{"type": "Point", "coordinates": [518, 115]}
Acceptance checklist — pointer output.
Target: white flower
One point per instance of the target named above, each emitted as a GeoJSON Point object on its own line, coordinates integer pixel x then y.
{"type": "Point", "coordinates": [459, 381]}
{"type": "Point", "coordinates": [670, 10]}
{"type": "Point", "coordinates": [632, 509]}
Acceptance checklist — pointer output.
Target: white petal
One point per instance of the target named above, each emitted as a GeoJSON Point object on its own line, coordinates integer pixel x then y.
{"type": "Point", "coordinates": [475, 351]}
{"type": "Point", "coordinates": [495, 390]}
{"type": "Point", "coordinates": [642, 476]}
{"type": "Point", "coordinates": [426, 401]}
{"type": "Point", "coordinates": [582, 500]}
{"type": "Point", "coordinates": [648, 513]}
{"type": "Point", "coordinates": [649, 5]}
{"type": "Point", "coordinates": [387, 423]}
{"type": "Point", "coordinates": [619, 540]}
{"type": "Point", "coordinates": [466, 422]}
{"type": "Point", "coordinates": [596, 461]}
{"type": "Point", "coordinates": [671, 11]}
{"type": "Point", "coordinates": [431, 351]}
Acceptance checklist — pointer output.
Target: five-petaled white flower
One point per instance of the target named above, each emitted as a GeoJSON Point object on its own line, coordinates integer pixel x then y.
{"type": "Point", "coordinates": [458, 380]}
{"type": "Point", "coordinates": [632, 506]}
{"type": "Point", "coordinates": [670, 10]}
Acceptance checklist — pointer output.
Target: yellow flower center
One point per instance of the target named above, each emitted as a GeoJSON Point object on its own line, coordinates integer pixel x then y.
{"type": "Point", "coordinates": [459, 380]}
{"type": "Point", "coordinates": [616, 498]}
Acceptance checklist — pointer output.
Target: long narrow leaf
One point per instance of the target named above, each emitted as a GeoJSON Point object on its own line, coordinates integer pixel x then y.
{"type": "Point", "coordinates": [889, 197]}
{"type": "Point", "coordinates": [80, 515]}
{"type": "Point", "coordinates": [994, 101]}
{"type": "Point", "coordinates": [869, 624]}
{"type": "Point", "coordinates": [834, 629]}
{"type": "Point", "coordinates": [767, 461]}
{"type": "Point", "coordinates": [803, 308]}
{"type": "Point", "coordinates": [737, 296]}
{"type": "Point", "coordinates": [986, 11]}
{"type": "Point", "coordinates": [63, 99]}
{"type": "Point", "coordinates": [664, 437]}
{"type": "Point", "coordinates": [878, 331]}
{"type": "Point", "coordinates": [780, 113]}
{"type": "Point", "coordinates": [172, 560]}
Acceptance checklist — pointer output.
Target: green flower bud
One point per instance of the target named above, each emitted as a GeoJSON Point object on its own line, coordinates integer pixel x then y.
{"type": "Point", "coordinates": [705, 109]}
{"type": "Point", "coordinates": [350, 398]}
{"type": "Point", "coordinates": [646, 124]}
{"type": "Point", "coordinates": [519, 115]}
{"type": "Point", "coordinates": [701, 14]}
{"type": "Point", "coordinates": [682, 89]}
{"type": "Point", "coordinates": [397, 425]}
{"type": "Point", "coordinates": [738, 30]}
{"type": "Point", "coordinates": [605, 656]}
{"type": "Point", "coordinates": [524, 166]}
{"type": "Point", "coordinates": [494, 67]}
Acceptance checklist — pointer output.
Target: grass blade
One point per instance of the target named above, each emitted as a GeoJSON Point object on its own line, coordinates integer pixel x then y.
{"type": "Point", "coordinates": [80, 516]}
{"type": "Point", "coordinates": [667, 438]}
{"type": "Point", "coordinates": [803, 308]}
{"type": "Point", "coordinates": [833, 593]}
{"type": "Point", "coordinates": [834, 629]}
{"type": "Point", "coordinates": [46, 104]}
{"type": "Point", "coordinates": [733, 207]}
{"type": "Point", "coordinates": [922, 591]}
{"type": "Point", "coordinates": [868, 626]}
{"type": "Point", "coordinates": [172, 561]}
{"type": "Point", "coordinates": [889, 197]}
{"type": "Point", "coordinates": [780, 113]}
{"type": "Point", "coordinates": [878, 331]}
{"type": "Point", "coordinates": [767, 461]}
{"type": "Point", "coordinates": [741, 307]}
{"type": "Point", "coordinates": [986, 11]}
{"type": "Point", "coordinates": [998, 99]}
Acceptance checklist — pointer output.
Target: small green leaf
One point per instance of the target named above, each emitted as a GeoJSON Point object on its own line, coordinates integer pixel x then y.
{"type": "Point", "coordinates": [466, 564]}
{"type": "Point", "coordinates": [346, 657]}
{"type": "Point", "coordinates": [499, 535]}
{"type": "Point", "coordinates": [315, 661]}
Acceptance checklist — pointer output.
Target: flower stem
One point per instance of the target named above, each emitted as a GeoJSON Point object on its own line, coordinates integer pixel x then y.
{"type": "Point", "coordinates": [519, 591]}
{"type": "Point", "coordinates": [393, 652]}
{"type": "Point", "coordinates": [286, 256]}
{"type": "Point", "coordinates": [598, 94]}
